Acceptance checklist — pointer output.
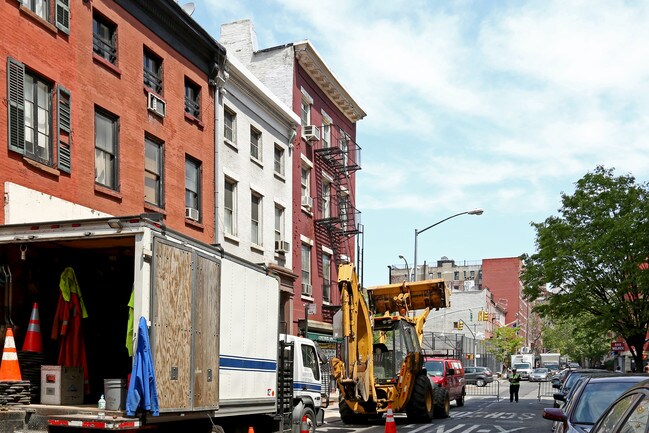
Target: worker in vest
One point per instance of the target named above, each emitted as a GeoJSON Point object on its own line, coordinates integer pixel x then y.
{"type": "Point", "coordinates": [514, 385]}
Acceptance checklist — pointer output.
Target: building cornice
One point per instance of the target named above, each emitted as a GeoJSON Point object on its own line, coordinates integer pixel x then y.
{"type": "Point", "coordinates": [319, 72]}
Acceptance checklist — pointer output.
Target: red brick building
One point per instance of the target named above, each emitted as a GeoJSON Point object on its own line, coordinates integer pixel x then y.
{"type": "Point", "coordinates": [110, 111]}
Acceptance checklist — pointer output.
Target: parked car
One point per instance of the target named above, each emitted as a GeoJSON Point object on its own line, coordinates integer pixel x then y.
{"type": "Point", "coordinates": [571, 378]}
{"type": "Point", "coordinates": [539, 375]}
{"type": "Point", "coordinates": [590, 400]}
{"type": "Point", "coordinates": [448, 374]}
{"type": "Point", "coordinates": [479, 376]}
{"type": "Point", "coordinates": [574, 365]}
{"type": "Point", "coordinates": [628, 414]}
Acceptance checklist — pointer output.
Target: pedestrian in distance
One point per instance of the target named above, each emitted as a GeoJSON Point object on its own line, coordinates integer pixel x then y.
{"type": "Point", "coordinates": [514, 385]}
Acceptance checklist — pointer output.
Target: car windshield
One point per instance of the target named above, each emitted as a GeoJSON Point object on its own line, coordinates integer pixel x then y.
{"type": "Point", "coordinates": [541, 370]}
{"type": "Point", "coordinates": [522, 366]}
{"type": "Point", "coordinates": [594, 400]}
{"type": "Point", "coordinates": [435, 368]}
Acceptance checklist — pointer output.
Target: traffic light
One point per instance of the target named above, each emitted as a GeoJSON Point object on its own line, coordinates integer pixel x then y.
{"type": "Point", "coordinates": [460, 325]}
{"type": "Point", "coordinates": [480, 313]}
{"type": "Point", "coordinates": [485, 316]}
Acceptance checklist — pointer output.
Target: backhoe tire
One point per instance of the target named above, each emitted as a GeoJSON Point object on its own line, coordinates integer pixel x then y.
{"type": "Point", "coordinates": [347, 415]}
{"type": "Point", "coordinates": [441, 403]}
{"type": "Point", "coordinates": [420, 406]}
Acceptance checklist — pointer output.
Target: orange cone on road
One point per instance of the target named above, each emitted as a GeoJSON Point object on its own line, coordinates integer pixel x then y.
{"type": "Point", "coordinates": [390, 426]}
{"type": "Point", "coordinates": [33, 340]}
{"type": "Point", "coordinates": [251, 430]}
{"type": "Point", "coordinates": [304, 427]}
{"type": "Point", "coordinates": [9, 368]}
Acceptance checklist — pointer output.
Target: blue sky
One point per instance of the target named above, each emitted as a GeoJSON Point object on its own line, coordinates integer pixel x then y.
{"type": "Point", "coordinates": [500, 105]}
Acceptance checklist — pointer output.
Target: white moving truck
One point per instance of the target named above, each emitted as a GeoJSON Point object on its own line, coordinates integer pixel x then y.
{"type": "Point", "coordinates": [524, 364]}
{"type": "Point", "coordinates": [220, 362]}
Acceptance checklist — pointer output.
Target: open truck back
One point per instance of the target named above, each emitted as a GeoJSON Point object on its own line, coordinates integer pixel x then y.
{"type": "Point", "coordinates": [212, 321]}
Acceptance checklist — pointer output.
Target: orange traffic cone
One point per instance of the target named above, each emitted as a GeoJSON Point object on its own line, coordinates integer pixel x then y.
{"type": "Point", "coordinates": [390, 426]}
{"type": "Point", "coordinates": [9, 368]}
{"type": "Point", "coordinates": [33, 340]}
{"type": "Point", "coordinates": [251, 430]}
{"type": "Point", "coordinates": [304, 427]}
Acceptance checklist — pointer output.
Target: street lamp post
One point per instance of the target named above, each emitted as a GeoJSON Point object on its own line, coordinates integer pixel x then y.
{"type": "Point", "coordinates": [407, 268]}
{"type": "Point", "coordinates": [476, 211]}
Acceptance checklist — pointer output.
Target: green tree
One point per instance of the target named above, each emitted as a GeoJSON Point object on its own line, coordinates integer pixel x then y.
{"type": "Point", "coordinates": [505, 343]}
{"type": "Point", "coordinates": [593, 258]}
{"type": "Point", "coordinates": [576, 339]}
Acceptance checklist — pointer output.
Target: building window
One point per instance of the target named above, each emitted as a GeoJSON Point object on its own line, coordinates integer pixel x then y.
{"type": "Point", "coordinates": [305, 112]}
{"type": "Point", "coordinates": [279, 160]}
{"type": "Point", "coordinates": [230, 207]}
{"type": "Point", "coordinates": [153, 172]}
{"type": "Point", "coordinates": [456, 275]}
{"type": "Point", "coordinates": [255, 219]}
{"type": "Point", "coordinates": [439, 275]}
{"type": "Point", "coordinates": [326, 198]}
{"type": "Point", "coordinates": [38, 144]}
{"type": "Point", "coordinates": [326, 277]}
{"type": "Point", "coordinates": [152, 71]}
{"type": "Point", "coordinates": [193, 185]}
{"type": "Point", "coordinates": [39, 7]}
{"type": "Point", "coordinates": [344, 212]}
{"type": "Point", "coordinates": [279, 223]}
{"type": "Point", "coordinates": [306, 269]}
{"type": "Point", "coordinates": [255, 144]}
{"type": "Point", "coordinates": [229, 125]}
{"type": "Point", "coordinates": [472, 275]}
{"type": "Point", "coordinates": [306, 188]}
{"type": "Point", "coordinates": [106, 145]}
{"type": "Point", "coordinates": [326, 131]}
{"type": "Point", "coordinates": [104, 42]}
{"type": "Point", "coordinates": [344, 147]}
{"type": "Point", "coordinates": [192, 98]}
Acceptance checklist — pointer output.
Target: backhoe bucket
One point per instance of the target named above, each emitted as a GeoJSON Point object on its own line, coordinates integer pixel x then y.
{"type": "Point", "coordinates": [408, 296]}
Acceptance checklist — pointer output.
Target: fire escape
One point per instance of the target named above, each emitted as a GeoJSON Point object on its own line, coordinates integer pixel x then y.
{"type": "Point", "coordinates": [340, 159]}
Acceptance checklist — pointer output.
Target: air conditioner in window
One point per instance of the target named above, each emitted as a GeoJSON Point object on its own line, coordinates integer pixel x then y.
{"type": "Point", "coordinates": [282, 247]}
{"type": "Point", "coordinates": [310, 133]}
{"type": "Point", "coordinates": [307, 202]}
{"type": "Point", "coordinates": [156, 104]}
{"type": "Point", "coordinates": [191, 213]}
{"type": "Point", "coordinates": [306, 289]}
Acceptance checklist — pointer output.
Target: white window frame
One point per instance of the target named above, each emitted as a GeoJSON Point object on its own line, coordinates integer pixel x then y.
{"type": "Point", "coordinates": [232, 128]}
{"type": "Point", "coordinates": [279, 157]}
{"type": "Point", "coordinates": [326, 197]}
{"type": "Point", "coordinates": [326, 276]}
{"type": "Point", "coordinates": [305, 181]}
{"type": "Point", "coordinates": [256, 144]}
{"type": "Point", "coordinates": [280, 222]}
{"type": "Point", "coordinates": [306, 264]}
{"type": "Point", "coordinates": [256, 225]}
{"type": "Point", "coordinates": [305, 108]}
{"type": "Point", "coordinates": [326, 131]}
{"type": "Point", "coordinates": [230, 229]}
{"type": "Point", "coordinates": [344, 147]}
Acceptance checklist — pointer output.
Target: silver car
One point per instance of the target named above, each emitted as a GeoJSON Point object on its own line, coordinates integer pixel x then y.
{"type": "Point", "coordinates": [539, 375]}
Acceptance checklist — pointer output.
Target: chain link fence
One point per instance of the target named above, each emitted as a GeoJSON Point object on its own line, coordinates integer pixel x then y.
{"type": "Point", "coordinates": [467, 350]}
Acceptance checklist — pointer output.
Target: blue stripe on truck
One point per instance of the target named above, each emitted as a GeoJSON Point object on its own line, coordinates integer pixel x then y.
{"type": "Point", "coordinates": [306, 386]}
{"type": "Point", "coordinates": [247, 364]}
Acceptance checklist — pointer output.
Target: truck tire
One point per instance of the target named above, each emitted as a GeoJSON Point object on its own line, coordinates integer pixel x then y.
{"type": "Point", "coordinates": [310, 419]}
{"type": "Point", "coordinates": [460, 400]}
{"type": "Point", "coordinates": [420, 406]}
{"type": "Point", "coordinates": [347, 415]}
{"type": "Point", "coordinates": [480, 382]}
{"type": "Point", "coordinates": [441, 403]}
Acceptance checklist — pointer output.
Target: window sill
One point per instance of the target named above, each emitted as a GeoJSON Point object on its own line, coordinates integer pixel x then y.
{"type": "Point", "coordinates": [231, 144]}
{"type": "Point", "coordinates": [257, 162]}
{"type": "Point", "coordinates": [195, 120]}
{"type": "Point", "coordinates": [42, 167]}
{"type": "Point", "coordinates": [307, 211]}
{"type": "Point", "coordinates": [39, 20]}
{"type": "Point", "coordinates": [195, 224]}
{"type": "Point", "coordinates": [104, 190]}
{"type": "Point", "coordinates": [307, 297]}
{"type": "Point", "coordinates": [257, 248]}
{"type": "Point", "coordinates": [148, 90]}
{"type": "Point", "coordinates": [280, 176]}
{"type": "Point", "coordinates": [231, 238]}
{"type": "Point", "coordinates": [153, 208]}
{"type": "Point", "coordinates": [106, 64]}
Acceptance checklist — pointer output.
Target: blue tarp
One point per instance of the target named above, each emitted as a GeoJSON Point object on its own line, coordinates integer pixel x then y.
{"type": "Point", "coordinates": [142, 390]}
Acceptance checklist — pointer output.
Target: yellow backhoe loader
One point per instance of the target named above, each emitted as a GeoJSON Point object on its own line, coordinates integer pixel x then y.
{"type": "Point", "coordinates": [382, 361]}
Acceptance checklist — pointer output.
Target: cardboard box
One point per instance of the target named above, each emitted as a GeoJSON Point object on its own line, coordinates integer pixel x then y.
{"type": "Point", "coordinates": [61, 385]}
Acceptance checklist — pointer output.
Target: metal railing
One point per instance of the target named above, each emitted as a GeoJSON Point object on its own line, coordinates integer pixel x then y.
{"type": "Point", "coordinates": [545, 390]}
{"type": "Point", "coordinates": [489, 390]}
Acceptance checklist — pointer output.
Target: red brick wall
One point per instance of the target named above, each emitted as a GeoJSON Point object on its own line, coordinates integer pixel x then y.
{"type": "Point", "coordinates": [501, 276]}
{"type": "Point", "coordinates": [68, 60]}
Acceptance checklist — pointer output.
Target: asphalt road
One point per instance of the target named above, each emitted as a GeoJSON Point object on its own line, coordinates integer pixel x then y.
{"type": "Point", "coordinates": [480, 414]}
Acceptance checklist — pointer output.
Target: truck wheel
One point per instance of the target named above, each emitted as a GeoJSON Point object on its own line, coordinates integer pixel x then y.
{"type": "Point", "coordinates": [347, 415]}
{"type": "Point", "coordinates": [310, 419]}
{"type": "Point", "coordinates": [480, 382]}
{"type": "Point", "coordinates": [460, 399]}
{"type": "Point", "coordinates": [441, 403]}
{"type": "Point", "coordinates": [420, 406]}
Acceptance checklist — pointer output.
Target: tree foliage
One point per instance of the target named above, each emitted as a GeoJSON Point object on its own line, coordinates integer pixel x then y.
{"type": "Point", "coordinates": [576, 339]}
{"type": "Point", "coordinates": [592, 258]}
{"type": "Point", "coordinates": [505, 343]}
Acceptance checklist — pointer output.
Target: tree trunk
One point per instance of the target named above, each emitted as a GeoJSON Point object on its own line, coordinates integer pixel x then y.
{"type": "Point", "coordinates": [636, 346]}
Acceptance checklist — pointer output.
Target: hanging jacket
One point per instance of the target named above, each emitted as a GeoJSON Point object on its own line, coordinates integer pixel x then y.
{"type": "Point", "coordinates": [142, 389]}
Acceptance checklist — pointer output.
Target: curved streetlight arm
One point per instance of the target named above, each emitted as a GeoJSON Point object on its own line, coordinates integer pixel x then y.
{"type": "Point", "coordinates": [477, 211]}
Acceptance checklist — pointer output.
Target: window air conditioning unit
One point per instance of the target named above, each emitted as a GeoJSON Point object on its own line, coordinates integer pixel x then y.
{"type": "Point", "coordinates": [310, 133]}
{"type": "Point", "coordinates": [157, 105]}
{"type": "Point", "coordinates": [307, 202]}
{"type": "Point", "coordinates": [282, 247]}
{"type": "Point", "coordinates": [306, 289]}
{"type": "Point", "coordinates": [191, 213]}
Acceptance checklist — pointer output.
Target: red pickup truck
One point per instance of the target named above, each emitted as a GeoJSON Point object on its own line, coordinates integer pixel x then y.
{"type": "Point", "coordinates": [447, 377]}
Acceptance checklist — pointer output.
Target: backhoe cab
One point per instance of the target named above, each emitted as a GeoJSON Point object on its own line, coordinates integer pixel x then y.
{"type": "Point", "coordinates": [383, 363]}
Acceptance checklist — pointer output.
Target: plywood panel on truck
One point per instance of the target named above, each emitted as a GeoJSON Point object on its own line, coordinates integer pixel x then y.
{"type": "Point", "coordinates": [249, 339]}
{"type": "Point", "coordinates": [171, 324]}
{"type": "Point", "coordinates": [206, 339]}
